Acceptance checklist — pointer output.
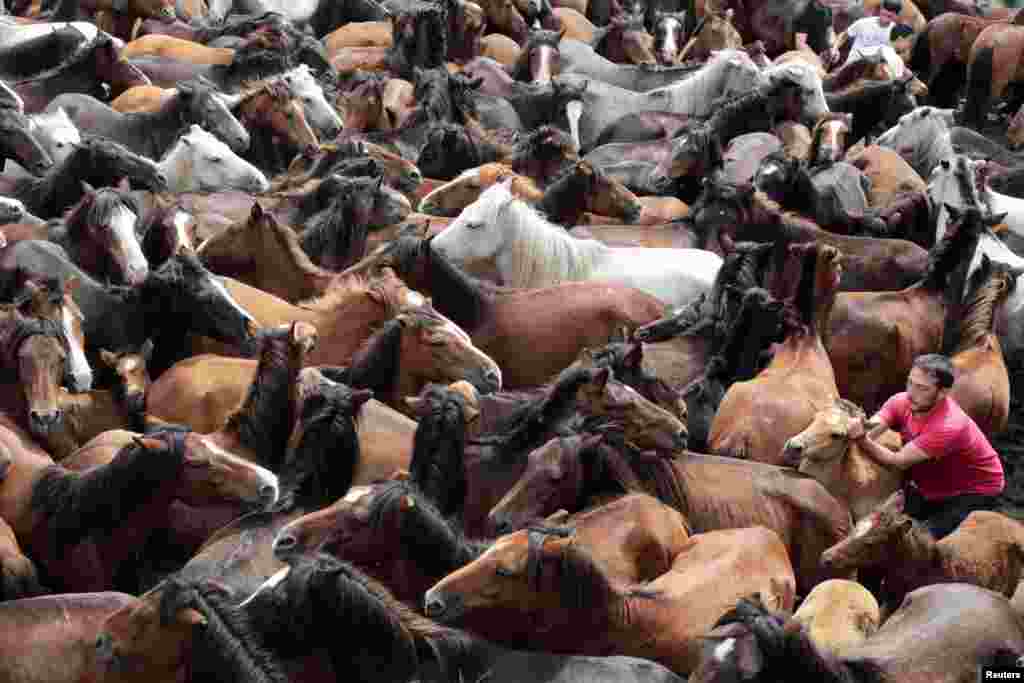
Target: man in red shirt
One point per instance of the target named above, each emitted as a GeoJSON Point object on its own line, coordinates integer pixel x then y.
{"type": "Point", "coordinates": [952, 467]}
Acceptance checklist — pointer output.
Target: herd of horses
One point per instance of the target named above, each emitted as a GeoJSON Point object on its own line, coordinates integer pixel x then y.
{"type": "Point", "coordinates": [466, 340]}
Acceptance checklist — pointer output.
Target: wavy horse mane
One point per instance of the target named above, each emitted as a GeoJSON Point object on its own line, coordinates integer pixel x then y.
{"type": "Point", "coordinates": [438, 445]}
{"type": "Point", "coordinates": [264, 420]}
{"type": "Point", "coordinates": [346, 288]}
{"type": "Point", "coordinates": [990, 287]}
{"type": "Point", "coordinates": [436, 543]}
{"type": "Point", "coordinates": [948, 254]}
{"type": "Point", "coordinates": [334, 232]}
{"type": "Point", "coordinates": [227, 649]}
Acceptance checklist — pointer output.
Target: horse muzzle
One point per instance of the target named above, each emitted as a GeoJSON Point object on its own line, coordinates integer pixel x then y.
{"type": "Point", "coordinates": [43, 423]}
{"type": "Point", "coordinates": [792, 454]}
{"type": "Point", "coordinates": [441, 607]}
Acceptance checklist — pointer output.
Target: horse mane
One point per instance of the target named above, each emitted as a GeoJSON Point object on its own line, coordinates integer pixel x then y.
{"type": "Point", "coordinates": [990, 286]}
{"type": "Point", "coordinates": [226, 649]}
{"type": "Point", "coordinates": [583, 582]}
{"type": "Point", "coordinates": [849, 408]}
{"type": "Point", "coordinates": [264, 420]}
{"type": "Point", "coordinates": [528, 424]}
{"type": "Point", "coordinates": [438, 445]}
{"type": "Point", "coordinates": [76, 59]}
{"type": "Point", "coordinates": [77, 505]}
{"type": "Point", "coordinates": [95, 206]}
{"type": "Point", "coordinates": [819, 129]}
{"type": "Point", "coordinates": [542, 252]}
{"type": "Point", "coordinates": [746, 338]}
{"type": "Point", "coordinates": [274, 87]}
{"type": "Point", "coordinates": [321, 466]}
{"type": "Point", "coordinates": [437, 544]}
{"type": "Point", "coordinates": [321, 594]}
{"type": "Point", "coordinates": [948, 253]}
{"type": "Point", "coordinates": [784, 643]}
{"type": "Point", "coordinates": [346, 288]}
{"type": "Point", "coordinates": [335, 234]}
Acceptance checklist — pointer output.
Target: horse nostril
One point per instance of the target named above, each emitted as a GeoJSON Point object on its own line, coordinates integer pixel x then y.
{"type": "Point", "coordinates": [433, 607]}
{"type": "Point", "coordinates": [285, 544]}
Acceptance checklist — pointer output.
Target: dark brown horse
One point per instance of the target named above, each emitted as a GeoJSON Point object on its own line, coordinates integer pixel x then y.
{"type": "Point", "coordinates": [993, 65]}
{"type": "Point", "coordinates": [873, 337]}
{"type": "Point", "coordinates": [18, 144]}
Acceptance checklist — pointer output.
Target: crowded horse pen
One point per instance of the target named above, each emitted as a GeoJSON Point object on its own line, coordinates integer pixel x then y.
{"type": "Point", "coordinates": [561, 341]}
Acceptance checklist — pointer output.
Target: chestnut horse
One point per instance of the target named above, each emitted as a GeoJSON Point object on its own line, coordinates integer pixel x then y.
{"type": "Point", "coordinates": [982, 386]}
{"type": "Point", "coordinates": [994, 64]}
{"type": "Point", "coordinates": [550, 582]}
{"type": "Point", "coordinates": [872, 338]}
{"type": "Point", "coordinates": [987, 550]}
{"type": "Point", "coordinates": [757, 416]}
{"type": "Point", "coordinates": [524, 330]}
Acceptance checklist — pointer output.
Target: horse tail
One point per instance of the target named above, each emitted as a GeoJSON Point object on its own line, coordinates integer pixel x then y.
{"type": "Point", "coordinates": [979, 85]}
{"type": "Point", "coordinates": [921, 56]}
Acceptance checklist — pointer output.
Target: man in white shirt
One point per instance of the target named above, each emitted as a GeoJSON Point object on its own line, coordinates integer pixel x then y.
{"type": "Point", "coordinates": [870, 35]}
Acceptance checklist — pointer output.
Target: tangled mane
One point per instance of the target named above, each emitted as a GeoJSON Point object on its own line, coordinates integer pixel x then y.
{"type": "Point", "coordinates": [438, 445]}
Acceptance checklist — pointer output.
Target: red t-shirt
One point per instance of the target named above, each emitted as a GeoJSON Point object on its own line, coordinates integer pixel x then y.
{"type": "Point", "coordinates": [962, 460]}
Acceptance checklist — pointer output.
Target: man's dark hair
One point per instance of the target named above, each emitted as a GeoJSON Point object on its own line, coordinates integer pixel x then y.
{"type": "Point", "coordinates": [893, 5]}
{"type": "Point", "coordinates": [938, 366]}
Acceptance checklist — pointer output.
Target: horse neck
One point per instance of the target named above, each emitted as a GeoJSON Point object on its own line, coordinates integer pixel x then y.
{"type": "Point", "coordinates": [162, 126]}
{"type": "Point", "coordinates": [735, 117]}
{"type": "Point", "coordinates": [264, 421]}
{"type": "Point", "coordinates": [542, 254]}
{"type": "Point", "coordinates": [978, 320]}
{"type": "Point", "coordinates": [858, 480]}
{"type": "Point", "coordinates": [916, 559]}
{"type": "Point", "coordinates": [92, 412]}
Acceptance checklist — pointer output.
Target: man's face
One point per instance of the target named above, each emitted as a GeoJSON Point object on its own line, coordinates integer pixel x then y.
{"type": "Point", "coordinates": [887, 16]}
{"type": "Point", "coordinates": [922, 390]}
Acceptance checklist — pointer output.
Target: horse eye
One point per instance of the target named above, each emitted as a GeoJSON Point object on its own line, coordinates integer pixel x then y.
{"type": "Point", "coordinates": [501, 571]}
{"type": "Point", "coordinates": [216, 160]}
{"type": "Point", "coordinates": [474, 225]}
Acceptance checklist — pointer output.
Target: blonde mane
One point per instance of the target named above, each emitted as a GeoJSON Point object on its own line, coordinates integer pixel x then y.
{"type": "Point", "coordinates": [346, 288]}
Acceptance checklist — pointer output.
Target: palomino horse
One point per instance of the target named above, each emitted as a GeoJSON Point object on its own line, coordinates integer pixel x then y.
{"type": "Point", "coordinates": [548, 582]}
{"type": "Point", "coordinates": [839, 614]}
{"type": "Point", "coordinates": [533, 252]}
{"type": "Point", "coordinates": [985, 550]}
{"type": "Point", "coordinates": [523, 330]}
{"type": "Point", "coordinates": [944, 632]}
{"type": "Point", "coordinates": [825, 452]}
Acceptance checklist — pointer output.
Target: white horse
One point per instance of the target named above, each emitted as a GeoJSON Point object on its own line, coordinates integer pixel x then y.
{"type": "Point", "coordinates": [532, 252]}
{"type": "Point", "coordinates": [1013, 207]}
{"type": "Point", "coordinates": [923, 138]}
{"type": "Point", "coordinates": [812, 91]}
{"type": "Point", "coordinates": [726, 74]}
{"type": "Point", "coordinates": [199, 162]}
{"type": "Point", "coordinates": [56, 133]}
{"type": "Point", "coordinates": [303, 84]}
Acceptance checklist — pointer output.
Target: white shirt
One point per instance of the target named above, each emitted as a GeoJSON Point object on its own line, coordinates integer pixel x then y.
{"type": "Point", "coordinates": [870, 38]}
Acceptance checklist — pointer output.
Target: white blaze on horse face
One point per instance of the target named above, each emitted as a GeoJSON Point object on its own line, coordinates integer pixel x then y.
{"type": "Point", "coordinates": [668, 50]}
{"type": "Point", "coordinates": [181, 221]}
{"type": "Point", "coordinates": [546, 54]}
{"type": "Point", "coordinates": [122, 226]}
{"type": "Point", "coordinates": [724, 649]}
{"type": "Point", "coordinates": [266, 477]}
{"type": "Point", "coordinates": [414, 298]}
{"type": "Point", "coordinates": [81, 373]}
{"type": "Point", "coordinates": [267, 585]}
{"type": "Point", "coordinates": [573, 112]}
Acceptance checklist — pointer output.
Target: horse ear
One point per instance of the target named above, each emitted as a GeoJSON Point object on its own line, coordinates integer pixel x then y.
{"type": "Point", "coordinates": [415, 404]}
{"type": "Point", "coordinates": [110, 359]}
{"type": "Point", "coordinates": [634, 357]}
{"type": "Point", "coordinates": [954, 212]}
{"type": "Point", "coordinates": [257, 211]}
{"type": "Point", "coordinates": [601, 377]}
{"type": "Point", "coordinates": [997, 218]}
{"type": "Point", "coordinates": [378, 184]}
{"type": "Point", "coordinates": [557, 517]}
{"type": "Point", "coordinates": [87, 188]}
{"type": "Point", "coordinates": [146, 351]}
